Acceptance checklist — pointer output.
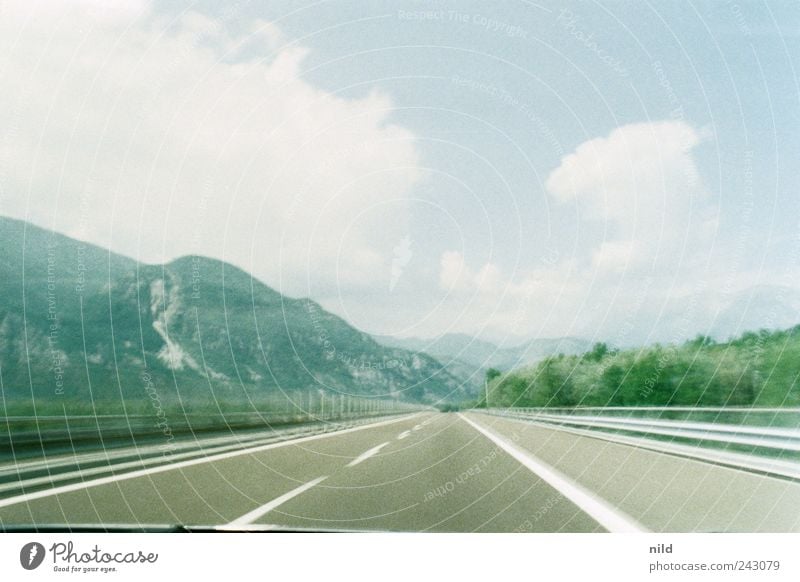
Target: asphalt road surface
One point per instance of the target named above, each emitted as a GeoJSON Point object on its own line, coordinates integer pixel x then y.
{"type": "Point", "coordinates": [424, 472]}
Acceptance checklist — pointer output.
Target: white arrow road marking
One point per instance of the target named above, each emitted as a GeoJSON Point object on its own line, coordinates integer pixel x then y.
{"type": "Point", "coordinates": [251, 516]}
{"type": "Point", "coordinates": [403, 435]}
{"type": "Point", "coordinates": [366, 455]}
{"type": "Point", "coordinates": [600, 510]}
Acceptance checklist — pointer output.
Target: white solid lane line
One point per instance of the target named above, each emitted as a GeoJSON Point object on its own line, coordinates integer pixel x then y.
{"type": "Point", "coordinates": [366, 455]}
{"type": "Point", "coordinates": [601, 511]}
{"type": "Point", "coordinates": [403, 435]}
{"type": "Point", "coordinates": [251, 516]}
{"type": "Point", "coordinates": [171, 467]}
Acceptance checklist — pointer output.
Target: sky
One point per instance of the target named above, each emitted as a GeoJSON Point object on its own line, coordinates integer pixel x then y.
{"type": "Point", "coordinates": [619, 171]}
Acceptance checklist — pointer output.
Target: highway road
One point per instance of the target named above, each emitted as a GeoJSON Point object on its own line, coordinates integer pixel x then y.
{"type": "Point", "coordinates": [424, 472]}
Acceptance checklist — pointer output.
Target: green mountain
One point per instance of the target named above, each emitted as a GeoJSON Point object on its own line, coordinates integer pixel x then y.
{"type": "Point", "coordinates": [79, 324]}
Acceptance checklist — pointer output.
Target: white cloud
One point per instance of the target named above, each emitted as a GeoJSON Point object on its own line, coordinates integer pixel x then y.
{"type": "Point", "coordinates": [88, 11]}
{"type": "Point", "coordinates": [646, 223]}
{"type": "Point", "coordinates": [483, 299]}
{"type": "Point", "coordinates": [160, 138]}
{"type": "Point", "coordinates": [642, 182]}
{"type": "Point", "coordinates": [615, 256]}
{"type": "Point", "coordinates": [453, 274]}
{"type": "Point", "coordinates": [634, 161]}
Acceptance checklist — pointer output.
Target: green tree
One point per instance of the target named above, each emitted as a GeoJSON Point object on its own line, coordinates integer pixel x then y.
{"type": "Point", "coordinates": [608, 393]}
{"type": "Point", "coordinates": [599, 351]}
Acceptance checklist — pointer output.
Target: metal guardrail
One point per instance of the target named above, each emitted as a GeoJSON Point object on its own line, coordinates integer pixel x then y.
{"type": "Point", "coordinates": [759, 438]}
{"type": "Point", "coordinates": [734, 409]}
{"type": "Point", "coordinates": [53, 469]}
{"type": "Point", "coordinates": [728, 434]}
{"type": "Point", "coordinates": [767, 450]}
{"type": "Point", "coordinates": [27, 430]}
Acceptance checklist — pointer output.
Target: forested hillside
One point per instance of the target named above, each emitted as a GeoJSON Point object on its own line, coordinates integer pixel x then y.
{"type": "Point", "coordinates": [758, 368]}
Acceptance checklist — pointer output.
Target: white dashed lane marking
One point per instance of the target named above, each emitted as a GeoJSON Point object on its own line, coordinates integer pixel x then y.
{"type": "Point", "coordinates": [27, 497]}
{"type": "Point", "coordinates": [251, 516]}
{"type": "Point", "coordinates": [366, 455]}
